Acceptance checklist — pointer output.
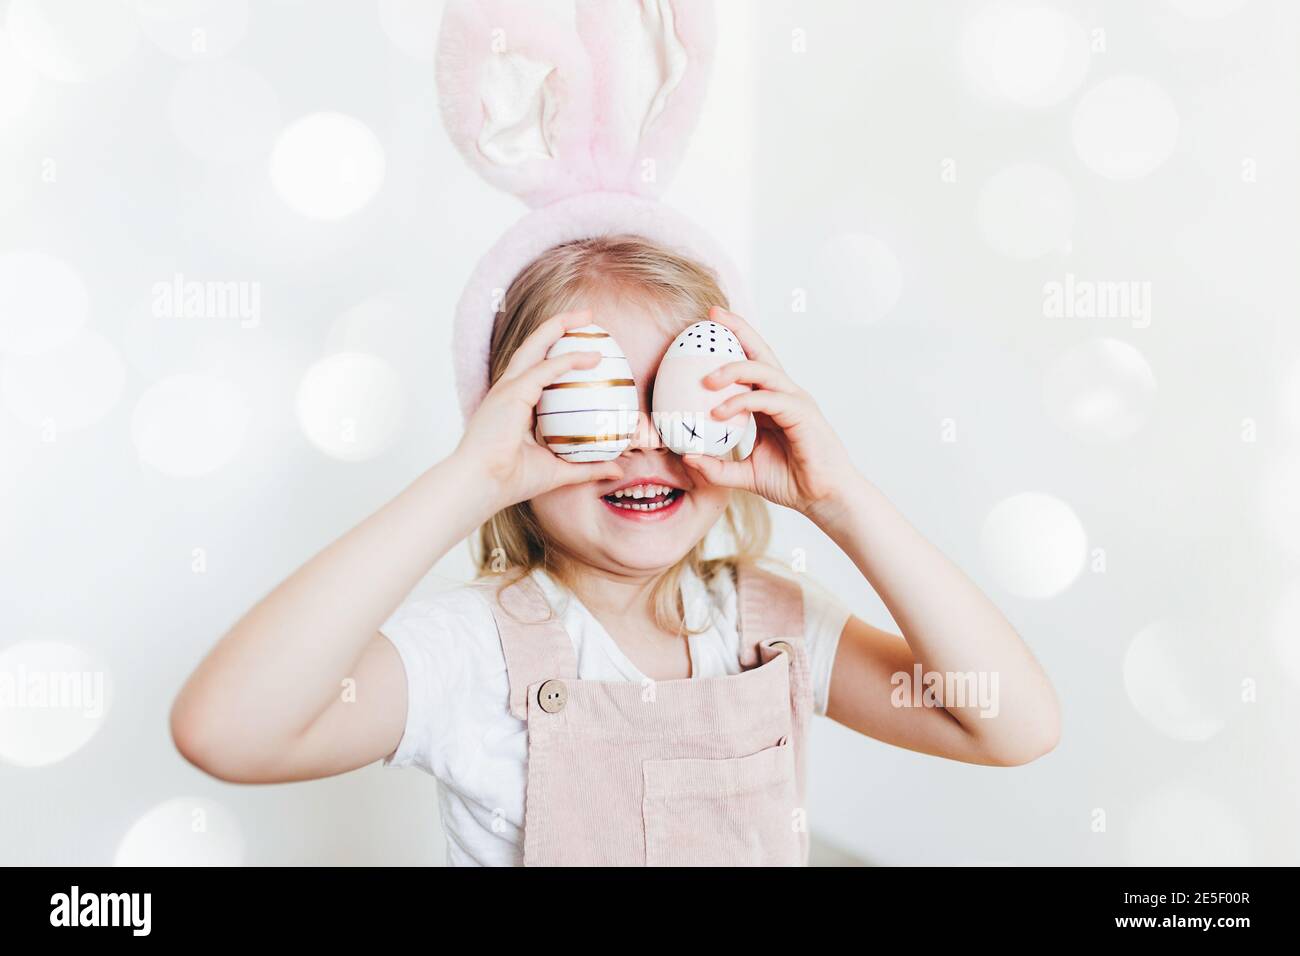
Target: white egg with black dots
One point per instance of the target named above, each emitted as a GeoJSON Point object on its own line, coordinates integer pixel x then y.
{"type": "Point", "coordinates": [589, 414]}
{"type": "Point", "coordinates": [682, 404]}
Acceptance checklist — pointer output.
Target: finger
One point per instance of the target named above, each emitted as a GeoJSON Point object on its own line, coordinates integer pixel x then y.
{"type": "Point", "coordinates": [529, 385]}
{"type": "Point", "coordinates": [750, 340]}
{"type": "Point", "coordinates": [786, 410]}
{"type": "Point", "coordinates": [577, 473]}
{"type": "Point", "coordinates": [751, 373]}
{"type": "Point", "coordinates": [534, 348]}
{"type": "Point", "coordinates": [724, 474]}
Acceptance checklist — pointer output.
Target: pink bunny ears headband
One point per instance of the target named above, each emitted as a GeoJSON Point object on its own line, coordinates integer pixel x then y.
{"type": "Point", "coordinates": [582, 109]}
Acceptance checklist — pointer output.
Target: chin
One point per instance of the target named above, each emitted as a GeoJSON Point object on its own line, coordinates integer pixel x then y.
{"type": "Point", "coordinates": [650, 559]}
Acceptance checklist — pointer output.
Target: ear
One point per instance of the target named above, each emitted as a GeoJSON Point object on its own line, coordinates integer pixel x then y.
{"type": "Point", "coordinates": [650, 65]}
{"type": "Point", "coordinates": [515, 89]}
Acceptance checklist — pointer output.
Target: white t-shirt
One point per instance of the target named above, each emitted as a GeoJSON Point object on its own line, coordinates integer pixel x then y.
{"type": "Point", "coordinates": [458, 723]}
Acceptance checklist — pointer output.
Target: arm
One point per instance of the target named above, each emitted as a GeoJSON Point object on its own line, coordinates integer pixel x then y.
{"type": "Point", "coordinates": [949, 626]}
{"type": "Point", "coordinates": [268, 704]}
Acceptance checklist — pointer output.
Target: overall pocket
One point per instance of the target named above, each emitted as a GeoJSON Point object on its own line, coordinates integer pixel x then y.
{"type": "Point", "coordinates": [733, 811]}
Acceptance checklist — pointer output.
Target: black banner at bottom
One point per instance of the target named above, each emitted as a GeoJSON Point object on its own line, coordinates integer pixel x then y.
{"type": "Point", "coordinates": [925, 905]}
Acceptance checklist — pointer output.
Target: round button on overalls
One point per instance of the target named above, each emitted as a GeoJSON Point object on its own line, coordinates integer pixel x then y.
{"type": "Point", "coordinates": [783, 647]}
{"type": "Point", "coordinates": [552, 696]}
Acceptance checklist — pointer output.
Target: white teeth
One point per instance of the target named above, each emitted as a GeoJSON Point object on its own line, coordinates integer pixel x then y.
{"type": "Point", "coordinates": [642, 491]}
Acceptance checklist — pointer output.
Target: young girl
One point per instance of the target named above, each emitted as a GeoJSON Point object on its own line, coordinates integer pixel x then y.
{"type": "Point", "coordinates": [604, 692]}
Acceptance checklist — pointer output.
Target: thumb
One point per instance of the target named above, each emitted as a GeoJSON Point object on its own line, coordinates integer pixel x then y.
{"type": "Point", "coordinates": [576, 473]}
{"type": "Point", "coordinates": [726, 474]}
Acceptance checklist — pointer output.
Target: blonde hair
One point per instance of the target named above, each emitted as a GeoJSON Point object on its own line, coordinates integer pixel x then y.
{"type": "Point", "coordinates": [513, 539]}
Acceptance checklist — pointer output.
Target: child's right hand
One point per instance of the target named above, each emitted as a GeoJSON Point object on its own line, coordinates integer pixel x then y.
{"type": "Point", "coordinates": [499, 441]}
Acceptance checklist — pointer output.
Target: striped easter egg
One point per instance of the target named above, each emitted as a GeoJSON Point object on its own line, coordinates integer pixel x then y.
{"type": "Point", "coordinates": [589, 414]}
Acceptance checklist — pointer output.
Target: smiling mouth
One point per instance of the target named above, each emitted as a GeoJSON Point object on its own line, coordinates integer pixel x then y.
{"type": "Point", "coordinates": [644, 498]}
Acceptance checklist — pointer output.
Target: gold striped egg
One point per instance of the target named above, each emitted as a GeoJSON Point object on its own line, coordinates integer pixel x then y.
{"type": "Point", "coordinates": [589, 414]}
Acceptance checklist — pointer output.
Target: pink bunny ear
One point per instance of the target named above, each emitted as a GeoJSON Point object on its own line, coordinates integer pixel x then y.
{"type": "Point", "coordinates": [580, 107]}
{"type": "Point", "coordinates": [548, 100]}
{"type": "Point", "coordinates": [515, 87]}
{"type": "Point", "coordinates": [650, 62]}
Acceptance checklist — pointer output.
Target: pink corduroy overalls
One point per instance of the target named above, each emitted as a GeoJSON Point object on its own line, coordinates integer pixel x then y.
{"type": "Point", "coordinates": [703, 771]}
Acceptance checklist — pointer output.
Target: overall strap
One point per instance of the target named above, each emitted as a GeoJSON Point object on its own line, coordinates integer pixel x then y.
{"type": "Point", "coordinates": [535, 643]}
{"type": "Point", "coordinates": [770, 607]}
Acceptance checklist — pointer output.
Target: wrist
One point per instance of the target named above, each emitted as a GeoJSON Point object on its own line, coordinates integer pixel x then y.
{"type": "Point", "coordinates": [461, 479]}
{"type": "Point", "coordinates": [833, 509]}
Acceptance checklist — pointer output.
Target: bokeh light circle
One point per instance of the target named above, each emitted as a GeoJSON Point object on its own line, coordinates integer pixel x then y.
{"type": "Point", "coordinates": [350, 405]}
{"type": "Point", "coordinates": [1125, 127]}
{"type": "Point", "coordinates": [1026, 55]}
{"type": "Point", "coordinates": [1179, 679]}
{"type": "Point", "coordinates": [194, 29]}
{"type": "Point", "coordinates": [54, 697]}
{"type": "Point", "coordinates": [43, 302]}
{"type": "Point", "coordinates": [411, 26]}
{"type": "Point", "coordinates": [1034, 545]}
{"type": "Point", "coordinates": [189, 425]}
{"type": "Point", "coordinates": [186, 831]}
{"type": "Point", "coordinates": [327, 166]}
{"type": "Point", "coordinates": [72, 41]}
{"type": "Point", "coordinates": [1101, 389]}
{"type": "Point", "coordinates": [68, 387]}
{"type": "Point", "coordinates": [378, 325]}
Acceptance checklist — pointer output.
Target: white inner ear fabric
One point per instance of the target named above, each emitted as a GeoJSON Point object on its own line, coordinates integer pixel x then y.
{"type": "Point", "coordinates": [660, 62]}
{"type": "Point", "coordinates": [518, 109]}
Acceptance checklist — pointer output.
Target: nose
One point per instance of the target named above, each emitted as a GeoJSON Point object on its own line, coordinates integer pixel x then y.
{"type": "Point", "coordinates": [645, 437]}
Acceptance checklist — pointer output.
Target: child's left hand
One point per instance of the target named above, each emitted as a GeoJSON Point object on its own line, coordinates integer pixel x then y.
{"type": "Point", "coordinates": [798, 461]}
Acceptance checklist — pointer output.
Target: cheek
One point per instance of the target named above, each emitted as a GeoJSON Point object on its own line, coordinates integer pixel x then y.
{"type": "Point", "coordinates": [711, 499]}
{"type": "Point", "coordinates": [556, 509]}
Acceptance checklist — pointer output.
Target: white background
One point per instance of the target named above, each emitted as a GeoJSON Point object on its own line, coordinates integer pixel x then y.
{"type": "Point", "coordinates": [899, 182]}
